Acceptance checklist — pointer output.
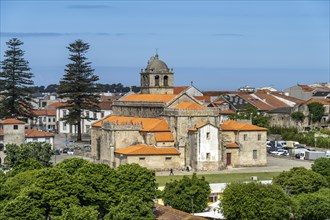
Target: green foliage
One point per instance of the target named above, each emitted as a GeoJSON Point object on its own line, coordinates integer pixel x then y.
{"type": "Point", "coordinates": [251, 112]}
{"type": "Point", "coordinates": [130, 207]}
{"type": "Point", "coordinates": [75, 212]}
{"type": "Point", "coordinates": [316, 111]}
{"type": "Point", "coordinates": [78, 86]}
{"type": "Point", "coordinates": [322, 166]}
{"type": "Point", "coordinates": [300, 180]}
{"type": "Point", "coordinates": [14, 81]}
{"type": "Point", "coordinates": [313, 205]}
{"type": "Point", "coordinates": [78, 189]}
{"type": "Point", "coordinates": [188, 195]}
{"type": "Point", "coordinates": [29, 164]}
{"type": "Point", "coordinates": [255, 201]}
{"type": "Point", "coordinates": [24, 153]}
{"type": "Point", "coordinates": [298, 116]}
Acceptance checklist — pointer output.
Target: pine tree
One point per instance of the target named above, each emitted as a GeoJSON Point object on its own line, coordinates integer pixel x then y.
{"type": "Point", "coordinates": [78, 86]}
{"type": "Point", "coordinates": [15, 83]}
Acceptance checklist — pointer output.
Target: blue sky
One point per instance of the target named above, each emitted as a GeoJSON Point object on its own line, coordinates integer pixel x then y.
{"type": "Point", "coordinates": [219, 45]}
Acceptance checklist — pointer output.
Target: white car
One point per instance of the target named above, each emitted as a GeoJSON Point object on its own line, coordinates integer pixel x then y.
{"type": "Point", "coordinates": [70, 151]}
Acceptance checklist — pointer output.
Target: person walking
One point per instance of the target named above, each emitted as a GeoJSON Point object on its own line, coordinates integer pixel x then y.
{"type": "Point", "coordinates": [171, 172]}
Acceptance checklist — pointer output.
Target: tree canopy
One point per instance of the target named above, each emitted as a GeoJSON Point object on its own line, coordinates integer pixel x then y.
{"type": "Point", "coordinates": [298, 116]}
{"type": "Point", "coordinates": [255, 201]}
{"type": "Point", "coordinates": [322, 166]}
{"type": "Point", "coordinates": [24, 153]}
{"type": "Point", "coordinates": [15, 83]}
{"type": "Point", "coordinates": [300, 180]}
{"type": "Point", "coordinates": [78, 189]}
{"type": "Point", "coordinates": [316, 111]}
{"type": "Point", "coordinates": [78, 86]}
{"type": "Point", "coordinates": [188, 194]}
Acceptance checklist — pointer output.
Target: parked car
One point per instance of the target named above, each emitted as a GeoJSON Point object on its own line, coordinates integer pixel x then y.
{"type": "Point", "coordinates": [87, 148]}
{"type": "Point", "coordinates": [57, 152]}
{"type": "Point", "coordinates": [65, 150]}
{"type": "Point", "coordinates": [70, 151]}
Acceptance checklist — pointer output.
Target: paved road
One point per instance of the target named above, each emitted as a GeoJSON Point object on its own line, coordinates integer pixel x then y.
{"type": "Point", "coordinates": [274, 164]}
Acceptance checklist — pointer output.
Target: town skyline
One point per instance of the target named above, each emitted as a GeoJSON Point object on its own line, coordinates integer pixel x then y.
{"type": "Point", "coordinates": [216, 45]}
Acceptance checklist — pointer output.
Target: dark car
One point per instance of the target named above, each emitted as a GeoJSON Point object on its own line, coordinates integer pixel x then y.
{"type": "Point", "coordinates": [57, 151]}
{"type": "Point", "coordinates": [87, 148]}
{"type": "Point", "coordinates": [65, 150]}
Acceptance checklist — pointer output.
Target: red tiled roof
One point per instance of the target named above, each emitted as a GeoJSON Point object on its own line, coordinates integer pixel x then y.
{"type": "Point", "coordinates": [306, 88]}
{"type": "Point", "coordinates": [147, 150]}
{"type": "Point", "coordinates": [203, 98]}
{"type": "Point", "coordinates": [198, 125]}
{"type": "Point", "coordinates": [105, 105]}
{"type": "Point", "coordinates": [169, 213]}
{"type": "Point", "coordinates": [232, 145]}
{"type": "Point", "coordinates": [148, 124]}
{"type": "Point", "coordinates": [227, 112]}
{"type": "Point", "coordinates": [35, 133]}
{"type": "Point", "coordinates": [319, 100]}
{"type": "Point", "coordinates": [289, 98]}
{"type": "Point", "coordinates": [43, 112]}
{"type": "Point", "coordinates": [239, 126]}
{"type": "Point", "coordinates": [256, 102]}
{"type": "Point", "coordinates": [271, 100]}
{"type": "Point", "coordinates": [179, 89]}
{"type": "Point", "coordinates": [11, 121]}
{"type": "Point", "coordinates": [190, 106]}
{"type": "Point", "coordinates": [164, 136]}
{"type": "Point", "coordinates": [149, 97]}
{"type": "Point", "coordinates": [57, 104]}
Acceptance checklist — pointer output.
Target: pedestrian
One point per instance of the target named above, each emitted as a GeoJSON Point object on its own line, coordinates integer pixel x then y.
{"type": "Point", "coordinates": [188, 169]}
{"type": "Point", "coordinates": [171, 172]}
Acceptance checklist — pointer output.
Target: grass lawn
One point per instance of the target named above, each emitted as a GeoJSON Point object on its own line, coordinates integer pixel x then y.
{"type": "Point", "coordinates": [221, 178]}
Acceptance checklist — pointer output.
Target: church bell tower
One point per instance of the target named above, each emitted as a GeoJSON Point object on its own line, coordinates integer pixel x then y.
{"type": "Point", "coordinates": [157, 78]}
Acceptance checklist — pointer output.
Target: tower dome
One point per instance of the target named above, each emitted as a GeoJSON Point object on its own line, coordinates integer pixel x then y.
{"type": "Point", "coordinates": [156, 65]}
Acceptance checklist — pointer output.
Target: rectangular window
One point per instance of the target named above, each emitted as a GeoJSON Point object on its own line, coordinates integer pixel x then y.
{"type": "Point", "coordinates": [102, 114]}
{"type": "Point", "coordinates": [35, 139]}
{"type": "Point", "coordinates": [259, 137]}
{"type": "Point", "coordinates": [87, 114]}
{"type": "Point", "coordinates": [168, 158]}
{"type": "Point", "coordinates": [208, 156]}
{"type": "Point", "coordinates": [95, 115]}
{"type": "Point", "coordinates": [255, 154]}
{"type": "Point", "coordinates": [49, 119]}
{"type": "Point", "coordinates": [64, 126]}
{"type": "Point", "coordinates": [54, 119]}
{"type": "Point", "coordinates": [245, 137]}
{"type": "Point", "coordinates": [142, 158]}
{"type": "Point", "coordinates": [64, 112]}
{"type": "Point", "coordinates": [207, 135]}
{"type": "Point", "coordinates": [15, 127]}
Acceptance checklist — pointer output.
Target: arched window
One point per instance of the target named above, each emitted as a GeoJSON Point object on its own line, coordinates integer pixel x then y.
{"type": "Point", "coordinates": [165, 80]}
{"type": "Point", "coordinates": [157, 80]}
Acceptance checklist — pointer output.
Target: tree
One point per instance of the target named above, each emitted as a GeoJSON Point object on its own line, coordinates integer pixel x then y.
{"type": "Point", "coordinates": [313, 205]}
{"type": "Point", "coordinates": [316, 111]}
{"type": "Point", "coordinates": [130, 207]}
{"type": "Point", "coordinates": [300, 180]}
{"type": "Point", "coordinates": [15, 80]}
{"type": "Point", "coordinates": [251, 113]}
{"type": "Point", "coordinates": [39, 151]}
{"type": "Point", "coordinates": [255, 201]}
{"type": "Point", "coordinates": [79, 213]}
{"type": "Point", "coordinates": [188, 195]}
{"type": "Point", "coordinates": [78, 86]}
{"type": "Point", "coordinates": [322, 166]}
{"type": "Point", "coordinates": [298, 116]}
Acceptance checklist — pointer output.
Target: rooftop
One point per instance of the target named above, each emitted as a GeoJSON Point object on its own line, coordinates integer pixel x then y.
{"type": "Point", "coordinates": [142, 149]}
{"type": "Point", "coordinates": [239, 126]}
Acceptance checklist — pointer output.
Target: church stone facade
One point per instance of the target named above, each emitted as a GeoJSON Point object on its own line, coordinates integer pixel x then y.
{"type": "Point", "coordinates": [159, 129]}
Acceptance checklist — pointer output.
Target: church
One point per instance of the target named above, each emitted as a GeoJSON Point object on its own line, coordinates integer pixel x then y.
{"type": "Point", "coordinates": [163, 130]}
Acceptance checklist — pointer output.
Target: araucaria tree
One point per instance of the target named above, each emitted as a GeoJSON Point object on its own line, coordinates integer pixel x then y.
{"type": "Point", "coordinates": [15, 83]}
{"type": "Point", "coordinates": [78, 86]}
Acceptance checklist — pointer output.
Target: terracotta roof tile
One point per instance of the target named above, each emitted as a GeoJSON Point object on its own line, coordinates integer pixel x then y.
{"type": "Point", "coordinates": [319, 100]}
{"type": "Point", "coordinates": [149, 97]}
{"type": "Point", "coordinates": [35, 133]}
{"type": "Point", "coordinates": [11, 121]}
{"type": "Point", "coordinates": [43, 112]}
{"type": "Point", "coordinates": [190, 106]}
{"type": "Point", "coordinates": [169, 213]}
{"type": "Point", "coordinates": [105, 105]}
{"type": "Point", "coordinates": [256, 102]}
{"type": "Point", "coordinates": [227, 112]}
{"type": "Point", "coordinates": [179, 89]}
{"type": "Point", "coordinates": [148, 124]}
{"type": "Point", "coordinates": [232, 145]}
{"type": "Point", "coordinates": [164, 136]}
{"type": "Point", "coordinates": [147, 150]}
{"type": "Point", "coordinates": [203, 98]}
{"type": "Point", "coordinates": [198, 125]}
{"type": "Point", "coordinates": [56, 104]}
{"type": "Point", "coordinates": [289, 98]}
{"type": "Point", "coordinates": [306, 88]}
{"type": "Point", "coordinates": [239, 126]}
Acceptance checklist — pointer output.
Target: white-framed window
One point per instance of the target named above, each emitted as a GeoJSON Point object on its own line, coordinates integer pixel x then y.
{"type": "Point", "coordinates": [259, 137]}
{"type": "Point", "coordinates": [245, 137]}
